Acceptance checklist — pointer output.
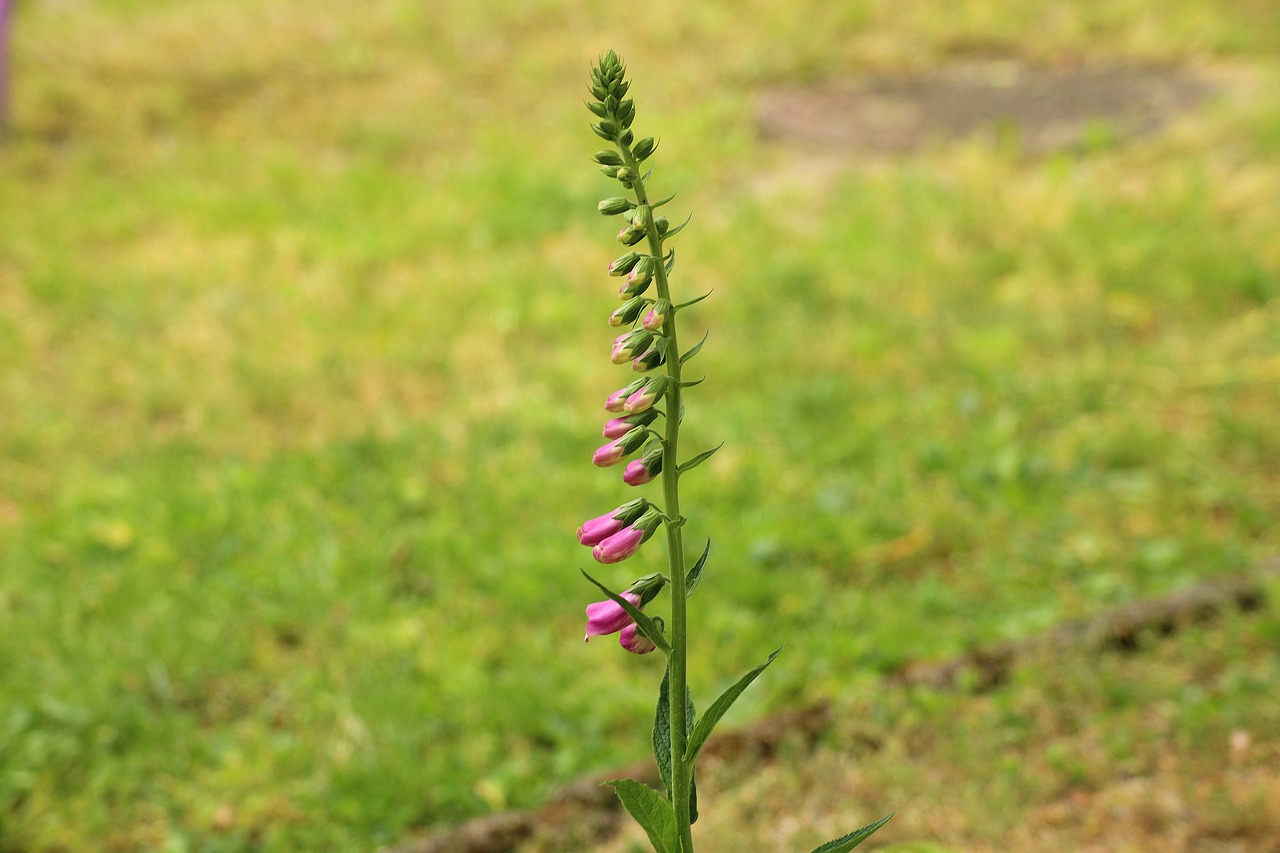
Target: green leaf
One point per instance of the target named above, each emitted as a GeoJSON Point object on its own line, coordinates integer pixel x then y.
{"type": "Point", "coordinates": [699, 459]}
{"type": "Point", "coordinates": [662, 739]}
{"type": "Point", "coordinates": [695, 574]}
{"type": "Point", "coordinates": [664, 201]}
{"type": "Point", "coordinates": [694, 301]}
{"type": "Point", "coordinates": [693, 350]}
{"type": "Point", "coordinates": [846, 843]}
{"type": "Point", "coordinates": [643, 623]}
{"type": "Point", "coordinates": [707, 722]}
{"type": "Point", "coordinates": [670, 260]}
{"type": "Point", "coordinates": [654, 814]}
{"type": "Point", "coordinates": [662, 731]}
{"type": "Point", "coordinates": [674, 231]}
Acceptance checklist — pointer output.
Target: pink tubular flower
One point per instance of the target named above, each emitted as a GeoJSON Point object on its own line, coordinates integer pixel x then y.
{"type": "Point", "coordinates": [619, 546]}
{"type": "Point", "coordinates": [607, 617]}
{"type": "Point", "coordinates": [633, 641]}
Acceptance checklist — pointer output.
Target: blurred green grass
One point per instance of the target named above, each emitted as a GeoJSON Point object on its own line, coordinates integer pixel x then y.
{"type": "Point", "coordinates": [301, 372]}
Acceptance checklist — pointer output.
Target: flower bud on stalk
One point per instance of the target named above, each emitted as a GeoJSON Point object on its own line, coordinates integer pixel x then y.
{"type": "Point", "coordinates": [616, 400]}
{"type": "Point", "coordinates": [618, 427]}
{"type": "Point", "coordinates": [640, 217]}
{"type": "Point", "coordinates": [624, 264]}
{"type": "Point", "coordinates": [642, 470]}
{"type": "Point", "coordinates": [606, 157]}
{"type": "Point", "coordinates": [616, 450]}
{"type": "Point", "coordinates": [629, 312]}
{"type": "Point", "coordinates": [646, 395]}
{"type": "Point", "coordinates": [629, 236]}
{"type": "Point", "coordinates": [651, 359]}
{"type": "Point", "coordinates": [633, 641]}
{"type": "Point", "coordinates": [642, 272]}
{"type": "Point", "coordinates": [628, 346]}
{"type": "Point", "coordinates": [657, 315]}
{"type": "Point", "coordinates": [643, 148]}
{"type": "Point", "coordinates": [595, 530]}
{"type": "Point", "coordinates": [624, 543]}
{"type": "Point", "coordinates": [614, 206]}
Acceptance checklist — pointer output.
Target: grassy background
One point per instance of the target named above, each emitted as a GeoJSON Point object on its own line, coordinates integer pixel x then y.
{"type": "Point", "coordinates": [302, 347]}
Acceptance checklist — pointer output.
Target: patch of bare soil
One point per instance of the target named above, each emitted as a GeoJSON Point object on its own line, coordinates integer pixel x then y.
{"type": "Point", "coordinates": [1044, 109]}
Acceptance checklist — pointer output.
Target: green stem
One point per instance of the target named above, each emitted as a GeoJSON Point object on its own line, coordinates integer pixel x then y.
{"type": "Point", "coordinates": [681, 773]}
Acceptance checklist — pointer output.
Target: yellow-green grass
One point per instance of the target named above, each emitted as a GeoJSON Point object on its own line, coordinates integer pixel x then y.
{"type": "Point", "coordinates": [302, 346]}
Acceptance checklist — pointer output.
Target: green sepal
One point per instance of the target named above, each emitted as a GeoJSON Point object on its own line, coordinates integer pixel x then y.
{"type": "Point", "coordinates": [654, 814]}
{"type": "Point", "coordinates": [699, 459]}
{"type": "Point", "coordinates": [694, 576]}
{"type": "Point", "coordinates": [693, 350]}
{"type": "Point", "coordinates": [597, 108]}
{"type": "Point", "coordinates": [643, 623]}
{"type": "Point", "coordinates": [707, 722]}
{"type": "Point", "coordinates": [607, 157]}
{"type": "Point", "coordinates": [845, 843]}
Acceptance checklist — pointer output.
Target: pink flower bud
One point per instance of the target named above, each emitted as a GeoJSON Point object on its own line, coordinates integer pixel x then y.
{"type": "Point", "coordinates": [628, 346]}
{"type": "Point", "coordinates": [657, 315]}
{"type": "Point", "coordinates": [608, 454]}
{"type": "Point", "coordinates": [644, 469]}
{"type": "Point", "coordinates": [648, 361]}
{"type": "Point", "coordinates": [619, 546]}
{"type": "Point", "coordinates": [633, 641]}
{"type": "Point", "coordinates": [645, 395]}
{"type": "Point", "coordinates": [607, 617]}
{"type": "Point", "coordinates": [617, 428]}
{"type": "Point", "coordinates": [618, 398]}
{"type": "Point", "coordinates": [595, 530]}
{"type": "Point", "coordinates": [637, 473]}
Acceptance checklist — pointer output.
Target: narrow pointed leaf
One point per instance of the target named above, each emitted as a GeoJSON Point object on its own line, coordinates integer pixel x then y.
{"type": "Point", "coordinates": [845, 843]}
{"type": "Point", "coordinates": [643, 623]}
{"type": "Point", "coordinates": [671, 260]}
{"type": "Point", "coordinates": [695, 574]}
{"type": "Point", "coordinates": [693, 350]}
{"type": "Point", "coordinates": [664, 201]}
{"type": "Point", "coordinates": [700, 458]}
{"type": "Point", "coordinates": [693, 301]}
{"type": "Point", "coordinates": [654, 814]}
{"type": "Point", "coordinates": [674, 231]}
{"type": "Point", "coordinates": [712, 715]}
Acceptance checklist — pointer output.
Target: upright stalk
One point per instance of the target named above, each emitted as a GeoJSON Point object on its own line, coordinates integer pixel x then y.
{"type": "Point", "coordinates": [679, 688]}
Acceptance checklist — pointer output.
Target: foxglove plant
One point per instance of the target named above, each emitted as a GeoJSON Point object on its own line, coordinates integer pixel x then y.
{"type": "Point", "coordinates": [653, 349]}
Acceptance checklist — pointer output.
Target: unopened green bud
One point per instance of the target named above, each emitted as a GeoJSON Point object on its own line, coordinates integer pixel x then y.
{"type": "Point", "coordinates": [640, 217]}
{"type": "Point", "coordinates": [614, 206]}
{"type": "Point", "coordinates": [643, 271]}
{"type": "Point", "coordinates": [626, 137]}
{"type": "Point", "coordinates": [605, 157]}
{"type": "Point", "coordinates": [622, 173]}
{"type": "Point", "coordinates": [610, 171]}
{"type": "Point", "coordinates": [644, 148]}
{"type": "Point", "coordinates": [657, 315]}
{"type": "Point", "coordinates": [624, 264]}
{"type": "Point", "coordinates": [628, 312]}
{"type": "Point", "coordinates": [629, 236]}
{"type": "Point", "coordinates": [662, 224]}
